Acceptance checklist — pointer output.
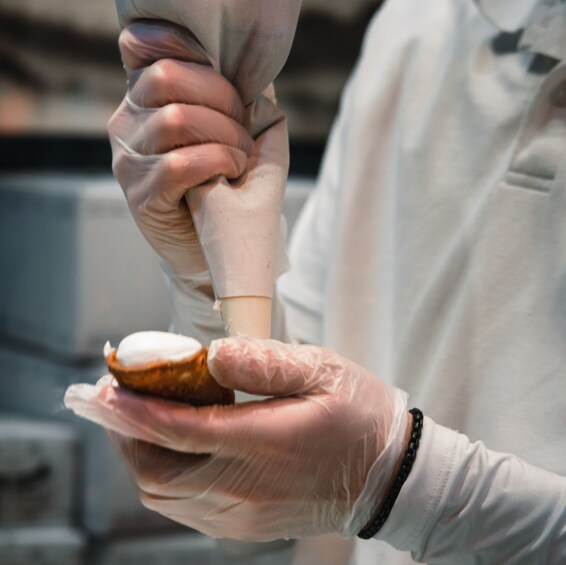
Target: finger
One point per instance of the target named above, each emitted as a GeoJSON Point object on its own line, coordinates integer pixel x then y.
{"type": "Point", "coordinates": [174, 173]}
{"type": "Point", "coordinates": [179, 125]}
{"type": "Point", "coordinates": [143, 43]}
{"type": "Point", "coordinates": [96, 403]}
{"type": "Point", "coordinates": [269, 367]}
{"type": "Point", "coordinates": [166, 473]}
{"type": "Point", "coordinates": [188, 512]}
{"type": "Point", "coordinates": [155, 468]}
{"type": "Point", "coordinates": [170, 474]}
{"type": "Point", "coordinates": [228, 430]}
{"type": "Point", "coordinates": [166, 424]}
{"type": "Point", "coordinates": [226, 516]}
{"type": "Point", "coordinates": [167, 81]}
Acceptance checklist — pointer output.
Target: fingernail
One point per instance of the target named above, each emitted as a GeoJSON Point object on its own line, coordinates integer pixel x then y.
{"type": "Point", "coordinates": [78, 394]}
{"type": "Point", "coordinates": [213, 349]}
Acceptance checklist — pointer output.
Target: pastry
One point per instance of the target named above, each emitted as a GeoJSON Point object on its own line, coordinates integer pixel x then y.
{"type": "Point", "coordinates": [166, 365]}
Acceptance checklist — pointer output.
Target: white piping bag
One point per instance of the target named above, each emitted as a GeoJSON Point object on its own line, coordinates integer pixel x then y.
{"type": "Point", "coordinates": [239, 224]}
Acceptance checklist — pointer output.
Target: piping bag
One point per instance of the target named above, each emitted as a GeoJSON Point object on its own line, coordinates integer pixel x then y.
{"type": "Point", "coordinates": [238, 223]}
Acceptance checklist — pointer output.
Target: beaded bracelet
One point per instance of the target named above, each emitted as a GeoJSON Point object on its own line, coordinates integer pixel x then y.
{"type": "Point", "coordinates": [376, 523]}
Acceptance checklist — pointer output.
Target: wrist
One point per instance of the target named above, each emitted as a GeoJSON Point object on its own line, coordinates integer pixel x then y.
{"type": "Point", "coordinates": [401, 457]}
{"type": "Point", "coordinates": [403, 467]}
{"type": "Point", "coordinates": [379, 500]}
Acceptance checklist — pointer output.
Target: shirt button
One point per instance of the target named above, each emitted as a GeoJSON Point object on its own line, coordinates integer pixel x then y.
{"type": "Point", "coordinates": [558, 95]}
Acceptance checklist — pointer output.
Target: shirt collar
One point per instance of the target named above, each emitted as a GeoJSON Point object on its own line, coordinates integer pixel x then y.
{"type": "Point", "coordinates": [508, 15]}
{"type": "Point", "coordinates": [543, 22]}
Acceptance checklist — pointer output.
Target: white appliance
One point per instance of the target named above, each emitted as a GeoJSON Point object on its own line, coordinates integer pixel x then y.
{"type": "Point", "coordinates": [38, 472]}
{"type": "Point", "coordinates": [75, 269]}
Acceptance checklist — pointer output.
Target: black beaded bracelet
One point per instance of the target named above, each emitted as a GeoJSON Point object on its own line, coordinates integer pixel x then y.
{"type": "Point", "coordinates": [377, 523]}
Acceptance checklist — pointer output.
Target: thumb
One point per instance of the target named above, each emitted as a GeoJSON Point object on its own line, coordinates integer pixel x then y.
{"type": "Point", "coordinates": [266, 367]}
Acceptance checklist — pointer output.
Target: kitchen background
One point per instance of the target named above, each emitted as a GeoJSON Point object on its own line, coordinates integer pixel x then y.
{"type": "Point", "coordinates": [75, 272]}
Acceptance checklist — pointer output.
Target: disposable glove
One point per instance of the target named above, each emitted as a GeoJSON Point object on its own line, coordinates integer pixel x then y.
{"type": "Point", "coordinates": [317, 457]}
{"type": "Point", "coordinates": [179, 125]}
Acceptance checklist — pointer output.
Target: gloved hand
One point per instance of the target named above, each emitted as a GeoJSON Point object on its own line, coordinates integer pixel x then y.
{"type": "Point", "coordinates": [317, 457]}
{"type": "Point", "coordinates": [179, 125]}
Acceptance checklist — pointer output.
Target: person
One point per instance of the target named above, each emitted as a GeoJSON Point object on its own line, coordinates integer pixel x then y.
{"type": "Point", "coordinates": [319, 456]}
{"type": "Point", "coordinates": [430, 255]}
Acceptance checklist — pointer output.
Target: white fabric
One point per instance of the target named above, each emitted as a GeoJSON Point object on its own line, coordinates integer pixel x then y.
{"type": "Point", "coordinates": [192, 314]}
{"type": "Point", "coordinates": [542, 23]}
{"type": "Point", "coordinates": [509, 15]}
{"type": "Point", "coordinates": [239, 223]}
{"type": "Point", "coordinates": [432, 251]}
{"type": "Point", "coordinates": [495, 496]}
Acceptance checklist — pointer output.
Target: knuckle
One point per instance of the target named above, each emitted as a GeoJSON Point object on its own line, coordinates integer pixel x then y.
{"type": "Point", "coordinates": [127, 47]}
{"type": "Point", "coordinates": [125, 41]}
{"type": "Point", "coordinates": [121, 169]}
{"type": "Point", "coordinates": [220, 161]}
{"type": "Point", "coordinates": [218, 153]}
{"type": "Point", "coordinates": [180, 170]}
{"type": "Point", "coordinates": [117, 167]}
{"type": "Point", "coordinates": [173, 117]}
{"type": "Point", "coordinates": [113, 123]}
{"type": "Point", "coordinates": [162, 74]}
{"type": "Point", "coordinates": [174, 165]}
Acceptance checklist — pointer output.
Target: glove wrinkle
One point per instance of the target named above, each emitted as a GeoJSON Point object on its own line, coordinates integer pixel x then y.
{"type": "Point", "coordinates": [315, 457]}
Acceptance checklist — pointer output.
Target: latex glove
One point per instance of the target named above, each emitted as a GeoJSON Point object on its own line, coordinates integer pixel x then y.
{"type": "Point", "coordinates": [239, 230]}
{"type": "Point", "coordinates": [317, 458]}
{"type": "Point", "coordinates": [179, 125]}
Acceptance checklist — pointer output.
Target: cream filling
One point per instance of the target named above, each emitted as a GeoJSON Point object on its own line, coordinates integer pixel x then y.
{"type": "Point", "coordinates": [146, 347]}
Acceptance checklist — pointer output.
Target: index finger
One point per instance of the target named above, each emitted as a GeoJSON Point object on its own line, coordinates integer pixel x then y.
{"type": "Point", "coordinates": [184, 428]}
{"type": "Point", "coordinates": [169, 81]}
{"type": "Point", "coordinates": [144, 43]}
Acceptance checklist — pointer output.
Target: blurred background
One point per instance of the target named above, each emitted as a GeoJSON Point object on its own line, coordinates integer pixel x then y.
{"type": "Point", "coordinates": [74, 271]}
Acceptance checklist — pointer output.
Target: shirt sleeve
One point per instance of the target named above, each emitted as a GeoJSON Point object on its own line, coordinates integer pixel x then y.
{"type": "Point", "coordinates": [463, 503]}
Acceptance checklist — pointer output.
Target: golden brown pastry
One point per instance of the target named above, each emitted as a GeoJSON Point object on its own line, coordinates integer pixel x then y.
{"type": "Point", "coordinates": [167, 366]}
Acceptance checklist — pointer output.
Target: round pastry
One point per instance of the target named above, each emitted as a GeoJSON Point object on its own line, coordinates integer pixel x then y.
{"type": "Point", "coordinates": [166, 365]}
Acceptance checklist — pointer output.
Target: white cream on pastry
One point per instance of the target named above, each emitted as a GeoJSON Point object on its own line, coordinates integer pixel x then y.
{"type": "Point", "coordinates": [145, 347]}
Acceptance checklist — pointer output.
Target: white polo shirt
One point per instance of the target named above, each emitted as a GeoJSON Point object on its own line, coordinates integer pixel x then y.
{"type": "Point", "coordinates": [433, 251]}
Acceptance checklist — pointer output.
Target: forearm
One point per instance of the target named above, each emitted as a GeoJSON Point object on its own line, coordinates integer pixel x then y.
{"type": "Point", "coordinates": [468, 504]}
